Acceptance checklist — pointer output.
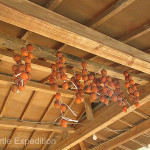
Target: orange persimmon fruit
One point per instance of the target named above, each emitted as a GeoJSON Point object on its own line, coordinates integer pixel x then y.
{"type": "Point", "coordinates": [30, 47]}
{"type": "Point", "coordinates": [63, 123]}
{"type": "Point", "coordinates": [17, 58]}
{"type": "Point", "coordinates": [65, 85]}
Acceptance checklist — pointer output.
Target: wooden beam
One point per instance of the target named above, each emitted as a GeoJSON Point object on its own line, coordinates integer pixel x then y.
{"type": "Point", "coordinates": [7, 56]}
{"type": "Point", "coordinates": [32, 85]}
{"type": "Point", "coordinates": [26, 35]}
{"type": "Point", "coordinates": [111, 115]}
{"type": "Point", "coordinates": [126, 136]}
{"type": "Point", "coordinates": [109, 13]}
{"type": "Point", "coordinates": [25, 126]}
{"type": "Point", "coordinates": [49, 54]}
{"type": "Point", "coordinates": [135, 33]}
{"type": "Point", "coordinates": [72, 33]}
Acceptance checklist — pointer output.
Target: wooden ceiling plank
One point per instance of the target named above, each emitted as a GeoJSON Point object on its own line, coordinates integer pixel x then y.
{"type": "Point", "coordinates": [135, 33]}
{"type": "Point", "coordinates": [97, 124]}
{"type": "Point", "coordinates": [72, 33]}
{"type": "Point", "coordinates": [109, 13]}
{"type": "Point", "coordinates": [126, 136]}
{"type": "Point", "coordinates": [49, 54]}
{"type": "Point", "coordinates": [6, 101]}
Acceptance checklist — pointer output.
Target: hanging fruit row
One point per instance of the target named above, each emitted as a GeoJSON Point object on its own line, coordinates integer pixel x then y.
{"type": "Point", "coordinates": [103, 89]}
{"type": "Point", "coordinates": [132, 89]}
{"type": "Point", "coordinates": [22, 70]}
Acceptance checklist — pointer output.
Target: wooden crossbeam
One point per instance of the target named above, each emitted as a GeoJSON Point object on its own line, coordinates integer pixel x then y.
{"type": "Point", "coordinates": [135, 33]}
{"type": "Point", "coordinates": [109, 12]}
{"type": "Point", "coordinates": [13, 43]}
{"type": "Point", "coordinates": [25, 126]}
{"type": "Point", "coordinates": [7, 56]}
{"type": "Point", "coordinates": [123, 138]}
{"type": "Point", "coordinates": [72, 33]}
{"type": "Point", "coordinates": [5, 79]}
{"type": "Point", "coordinates": [112, 114]}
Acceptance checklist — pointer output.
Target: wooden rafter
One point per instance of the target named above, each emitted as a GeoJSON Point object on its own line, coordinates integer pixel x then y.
{"type": "Point", "coordinates": [141, 114]}
{"type": "Point", "coordinates": [52, 4]}
{"type": "Point", "coordinates": [109, 12]}
{"type": "Point", "coordinates": [140, 143]}
{"type": "Point", "coordinates": [6, 101]}
{"type": "Point", "coordinates": [124, 147]}
{"type": "Point", "coordinates": [123, 138]}
{"type": "Point", "coordinates": [57, 27]}
{"type": "Point", "coordinates": [13, 43]}
{"type": "Point", "coordinates": [113, 114]}
{"type": "Point", "coordinates": [82, 145]}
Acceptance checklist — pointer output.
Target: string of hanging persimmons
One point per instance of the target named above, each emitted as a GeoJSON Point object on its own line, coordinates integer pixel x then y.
{"type": "Point", "coordinates": [103, 89]}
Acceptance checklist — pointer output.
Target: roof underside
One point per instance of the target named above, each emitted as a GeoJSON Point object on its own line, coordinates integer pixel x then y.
{"type": "Point", "coordinates": [129, 24]}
